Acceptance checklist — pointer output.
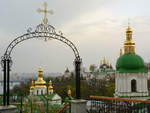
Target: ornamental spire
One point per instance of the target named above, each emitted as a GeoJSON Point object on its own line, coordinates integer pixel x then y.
{"type": "Point", "coordinates": [40, 75]}
{"type": "Point", "coordinates": [129, 45]}
{"type": "Point", "coordinates": [50, 88]}
{"type": "Point", "coordinates": [32, 85]}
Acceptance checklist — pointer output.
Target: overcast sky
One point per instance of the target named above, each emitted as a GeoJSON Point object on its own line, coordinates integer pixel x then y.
{"type": "Point", "coordinates": [96, 27]}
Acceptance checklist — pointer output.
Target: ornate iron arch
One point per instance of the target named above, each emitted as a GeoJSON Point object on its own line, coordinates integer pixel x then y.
{"type": "Point", "coordinates": [40, 32]}
{"type": "Point", "coordinates": [46, 32]}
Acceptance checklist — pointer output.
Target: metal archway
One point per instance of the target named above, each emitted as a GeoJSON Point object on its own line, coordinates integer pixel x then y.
{"type": "Point", "coordinates": [42, 31]}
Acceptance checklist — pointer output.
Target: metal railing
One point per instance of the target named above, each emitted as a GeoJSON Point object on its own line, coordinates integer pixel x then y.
{"type": "Point", "coordinates": [100, 104]}
{"type": "Point", "coordinates": [65, 109]}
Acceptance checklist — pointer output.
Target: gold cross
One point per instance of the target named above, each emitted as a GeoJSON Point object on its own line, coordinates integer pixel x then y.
{"type": "Point", "coordinates": [45, 11]}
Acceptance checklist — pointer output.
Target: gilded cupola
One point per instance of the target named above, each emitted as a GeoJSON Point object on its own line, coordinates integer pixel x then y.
{"type": "Point", "coordinates": [50, 87]}
{"type": "Point", "coordinates": [32, 86]}
{"type": "Point", "coordinates": [40, 83]}
{"type": "Point", "coordinates": [130, 62]}
{"type": "Point", "coordinates": [129, 45]}
{"type": "Point", "coordinates": [69, 92]}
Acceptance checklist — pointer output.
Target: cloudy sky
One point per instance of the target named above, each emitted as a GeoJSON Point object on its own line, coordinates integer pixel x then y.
{"type": "Point", "coordinates": [96, 27]}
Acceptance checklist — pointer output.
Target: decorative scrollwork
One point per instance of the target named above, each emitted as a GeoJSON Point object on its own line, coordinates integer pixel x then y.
{"type": "Point", "coordinates": [60, 33]}
{"type": "Point", "coordinates": [2, 61]}
{"type": "Point", "coordinates": [6, 57]}
{"type": "Point", "coordinates": [40, 32]}
{"type": "Point", "coordinates": [29, 30]}
{"type": "Point", "coordinates": [45, 28]}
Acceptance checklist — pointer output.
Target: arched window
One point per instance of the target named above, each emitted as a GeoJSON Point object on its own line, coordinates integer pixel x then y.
{"type": "Point", "coordinates": [41, 92]}
{"type": "Point", "coordinates": [133, 85]}
{"type": "Point", "coordinates": [37, 92]}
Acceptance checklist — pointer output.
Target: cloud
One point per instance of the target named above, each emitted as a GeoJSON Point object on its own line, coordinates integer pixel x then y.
{"type": "Point", "coordinates": [96, 27]}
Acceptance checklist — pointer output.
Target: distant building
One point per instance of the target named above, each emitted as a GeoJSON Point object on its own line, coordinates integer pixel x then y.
{"type": "Point", "coordinates": [104, 69]}
{"type": "Point", "coordinates": [131, 76]}
{"type": "Point", "coordinates": [105, 66]}
{"type": "Point", "coordinates": [67, 73]}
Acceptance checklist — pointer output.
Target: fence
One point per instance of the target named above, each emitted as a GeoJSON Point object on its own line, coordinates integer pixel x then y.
{"type": "Point", "coordinates": [100, 104]}
{"type": "Point", "coordinates": [36, 104]}
{"type": "Point", "coordinates": [65, 109]}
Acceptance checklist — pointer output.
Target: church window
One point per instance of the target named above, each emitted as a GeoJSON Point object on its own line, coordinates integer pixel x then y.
{"type": "Point", "coordinates": [41, 92]}
{"type": "Point", "coordinates": [37, 92]}
{"type": "Point", "coordinates": [133, 85]}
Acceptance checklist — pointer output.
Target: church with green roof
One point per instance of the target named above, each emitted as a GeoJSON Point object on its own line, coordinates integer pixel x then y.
{"type": "Point", "coordinates": [131, 74]}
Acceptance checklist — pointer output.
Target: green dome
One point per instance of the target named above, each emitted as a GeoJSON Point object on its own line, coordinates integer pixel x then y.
{"type": "Point", "coordinates": [130, 63]}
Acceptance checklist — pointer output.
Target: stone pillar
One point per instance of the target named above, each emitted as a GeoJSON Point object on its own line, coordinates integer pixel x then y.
{"type": "Point", "coordinates": [8, 109]}
{"type": "Point", "coordinates": [78, 106]}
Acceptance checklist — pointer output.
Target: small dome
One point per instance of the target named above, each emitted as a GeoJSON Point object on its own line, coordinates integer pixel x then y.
{"type": "Point", "coordinates": [128, 29]}
{"type": "Point", "coordinates": [130, 63]}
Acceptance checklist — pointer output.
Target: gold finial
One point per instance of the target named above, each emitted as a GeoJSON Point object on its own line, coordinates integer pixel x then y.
{"type": "Point", "coordinates": [32, 83]}
{"type": "Point", "coordinates": [50, 83]}
{"type": "Point", "coordinates": [120, 52]}
{"type": "Point", "coordinates": [129, 29]}
{"type": "Point", "coordinates": [45, 11]}
{"type": "Point", "coordinates": [40, 69]}
{"type": "Point", "coordinates": [69, 92]}
{"type": "Point", "coordinates": [40, 72]}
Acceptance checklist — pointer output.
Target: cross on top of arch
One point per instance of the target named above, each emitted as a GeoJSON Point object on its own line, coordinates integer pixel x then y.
{"type": "Point", "coordinates": [45, 11]}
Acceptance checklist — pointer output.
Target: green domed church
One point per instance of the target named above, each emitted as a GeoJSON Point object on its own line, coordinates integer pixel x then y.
{"type": "Point", "coordinates": [131, 73]}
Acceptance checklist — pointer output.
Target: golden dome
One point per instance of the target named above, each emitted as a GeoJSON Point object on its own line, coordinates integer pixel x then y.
{"type": "Point", "coordinates": [105, 60]}
{"type": "Point", "coordinates": [32, 86]}
{"type": "Point", "coordinates": [40, 83]}
{"type": "Point", "coordinates": [128, 29]}
{"type": "Point", "coordinates": [69, 92]}
{"type": "Point", "coordinates": [50, 86]}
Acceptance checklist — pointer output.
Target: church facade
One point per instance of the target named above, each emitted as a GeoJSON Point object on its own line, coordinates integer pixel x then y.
{"type": "Point", "coordinates": [39, 88]}
{"type": "Point", "coordinates": [131, 74]}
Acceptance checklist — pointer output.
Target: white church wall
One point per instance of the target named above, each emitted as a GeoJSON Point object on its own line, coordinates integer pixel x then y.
{"type": "Point", "coordinates": [123, 84]}
{"type": "Point", "coordinates": [38, 91]}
